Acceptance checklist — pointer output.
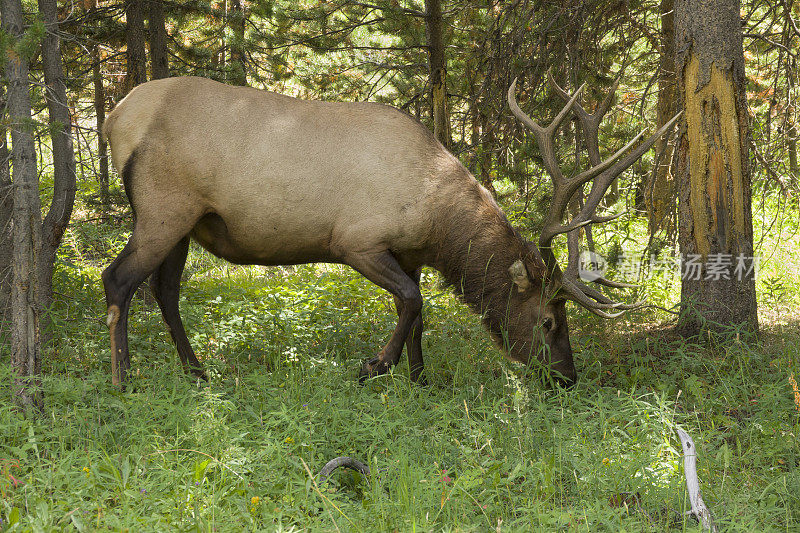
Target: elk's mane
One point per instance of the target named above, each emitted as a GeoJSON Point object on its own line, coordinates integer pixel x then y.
{"type": "Point", "coordinates": [476, 247]}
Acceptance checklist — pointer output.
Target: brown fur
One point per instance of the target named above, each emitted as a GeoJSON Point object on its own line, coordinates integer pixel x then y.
{"type": "Point", "coordinates": [476, 247]}
{"type": "Point", "coordinates": [261, 178]}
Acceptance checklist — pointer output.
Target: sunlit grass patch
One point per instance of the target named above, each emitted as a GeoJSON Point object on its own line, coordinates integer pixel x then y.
{"type": "Point", "coordinates": [485, 445]}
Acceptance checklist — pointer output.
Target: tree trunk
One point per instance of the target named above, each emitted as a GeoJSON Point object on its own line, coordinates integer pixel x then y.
{"type": "Point", "coordinates": [159, 60]}
{"type": "Point", "coordinates": [238, 63]}
{"type": "Point", "coordinates": [715, 220]}
{"type": "Point", "coordinates": [102, 145]}
{"type": "Point", "coordinates": [486, 159]}
{"type": "Point", "coordinates": [6, 211]}
{"type": "Point", "coordinates": [134, 40]}
{"type": "Point", "coordinates": [57, 219]}
{"type": "Point", "coordinates": [26, 219]}
{"type": "Point", "coordinates": [100, 116]}
{"type": "Point", "coordinates": [794, 170]}
{"type": "Point", "coordinates": [660, 191]}
{"type": "Point", "coordinates": [437, 71]}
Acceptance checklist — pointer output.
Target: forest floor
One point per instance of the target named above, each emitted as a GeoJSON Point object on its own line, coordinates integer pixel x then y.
{"type": "Point", "coordinates": [485, 446]}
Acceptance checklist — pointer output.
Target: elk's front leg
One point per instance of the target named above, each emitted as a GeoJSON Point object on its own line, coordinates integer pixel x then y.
{"type": "Point", "coordinates": [383, 270]}
{"type": "Point", "coordinates": [414, 340]}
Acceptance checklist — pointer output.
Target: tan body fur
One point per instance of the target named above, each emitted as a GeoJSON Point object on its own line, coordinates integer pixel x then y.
{"type": "Point", "coordinates": [261, 178]}
{"type": "Point", "coordinates": [279, 209]}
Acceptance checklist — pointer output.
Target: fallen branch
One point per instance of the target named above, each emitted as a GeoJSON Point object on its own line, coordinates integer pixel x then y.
{"type": "Point", "coordinates": [699, 509]}
{"type": "Point", "coordinates": [347, 462]}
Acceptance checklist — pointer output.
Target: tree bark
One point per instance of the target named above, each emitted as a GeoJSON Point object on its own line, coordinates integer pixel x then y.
{"type": "Point", "coordinates": [134, 40]}
{"type": "Point", "coordinates": [238, 62]}
{"type": "Point", "coordinates": [102, 145]}
{"type": "Point", "coordinates": [485, 160]}
{"type": "Point", "coordinates": [100, 117]}
{"type": "Point", "coordinates": [660, 191]}
{"type": "Point", "coordinates": [6, 211]}
{"type": "Point", "coordinates": [794, 169]}
{"type": "Point", "coordinates": [159, 59]}
{"type": "Point", "coordinates": [437, 72]}
{"type": "Point", "coordinates": [715, 220]}
{"type": "Point", "coordinates": [57, 218]}
{"type": "Point", "coordinates": [25, 304]}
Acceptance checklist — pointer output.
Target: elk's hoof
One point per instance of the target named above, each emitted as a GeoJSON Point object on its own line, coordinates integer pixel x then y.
{"type": "Point", "coordinates": [371, 368]}
{"type": "Point", "coordinates": [418, 378]}
{"type": "Point", "coordinates": [420, 381]}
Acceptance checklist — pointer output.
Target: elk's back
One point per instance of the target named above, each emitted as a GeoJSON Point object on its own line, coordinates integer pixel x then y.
{"type": "Point", "coordinates": [285, 180]}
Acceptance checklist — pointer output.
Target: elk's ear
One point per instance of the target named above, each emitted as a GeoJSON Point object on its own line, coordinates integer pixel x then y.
{"type": "Point", "coordinates": [519, 275]}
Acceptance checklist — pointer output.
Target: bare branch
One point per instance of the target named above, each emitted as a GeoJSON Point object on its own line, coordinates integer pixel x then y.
{"type": "Point", "coordinates": [699, 509]}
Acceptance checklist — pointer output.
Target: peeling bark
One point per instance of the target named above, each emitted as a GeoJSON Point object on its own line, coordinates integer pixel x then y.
{"type": "Point", "coordinates": [713, 174]}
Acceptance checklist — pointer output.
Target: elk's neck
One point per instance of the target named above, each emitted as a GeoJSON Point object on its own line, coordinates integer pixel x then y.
{"type": "Point", "coordinates": [475, 250]}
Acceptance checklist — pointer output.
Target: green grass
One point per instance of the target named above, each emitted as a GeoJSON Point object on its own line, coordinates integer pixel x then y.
{"type": "Point", "coordinates": [483, 446]}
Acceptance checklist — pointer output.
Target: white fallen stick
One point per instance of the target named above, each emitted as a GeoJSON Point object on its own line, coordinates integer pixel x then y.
{"type": "Point", "coordinates": [699, 509]}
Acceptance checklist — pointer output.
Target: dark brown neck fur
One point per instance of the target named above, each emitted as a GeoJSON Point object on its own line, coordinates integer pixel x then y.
{"type": "Point", "coordinates": [476, 247]}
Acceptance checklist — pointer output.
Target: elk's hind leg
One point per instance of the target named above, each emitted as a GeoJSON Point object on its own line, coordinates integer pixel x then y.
{"type": "Point", "coordinates": [120, 280]}
{"type": "Point", "coordinates": [157, 231]}
{"type": "Point", "coordinates": [166, 285]}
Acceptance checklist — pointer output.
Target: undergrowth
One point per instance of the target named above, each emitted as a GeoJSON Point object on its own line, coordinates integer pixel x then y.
{"type": "Point", "coordinates": [483, 446]}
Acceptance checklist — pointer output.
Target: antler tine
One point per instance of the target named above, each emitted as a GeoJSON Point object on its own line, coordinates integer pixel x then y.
{"type": "Point", "coordinates": [528, 121]}
{"type": "Point", "coordinates": [592, 299]}
{"type": "Point", "coordinates": [599, 188]}
{"type": "Point", "coordinates": [590, 122]}
{"type": "Point", "coordinates": [605, 282]}
{"type": "Point", "coordinates": [571, 287]}
{"type": "Point", "coordinates": [545, 136]}
{"type": "Point", "coordinates": [602, 172]}
{"type": "Point", "coordinates": [574, 293]}
{"type": "Point", "coordinates": [602, 181]}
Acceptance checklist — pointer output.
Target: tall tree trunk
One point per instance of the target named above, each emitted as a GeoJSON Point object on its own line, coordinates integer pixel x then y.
{"type": "Point", "coordinates": [6, 211]}
{"type": "Point", "coordinates": [159, 60]}
{"type": "Point", "coordinates": [238, 63]}
{"type": "Point", "coordinates": [25, 304]}
{"type": "Point", "coordinates": [134, 40]}
{"type": "Point", "coordinates": [437, 71]}
{"type": "Point", "coordinates": [100, 116]}
{"type": "Point", "coordinates": [57, 218]}
{"type": "Point", "coordinates": [102, 145]}
{"type": "Point", "coordinates": [715, 220]}
{"type": "Point", "coordinates": [660, 191]}
{"type": "Point", "coordinates": [794, 169]}
{"type": "Point", "coordinates": [486, 159]}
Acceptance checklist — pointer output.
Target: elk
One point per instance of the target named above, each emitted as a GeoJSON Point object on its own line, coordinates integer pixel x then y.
{"type": "Point", "coordinates": [262, 178]}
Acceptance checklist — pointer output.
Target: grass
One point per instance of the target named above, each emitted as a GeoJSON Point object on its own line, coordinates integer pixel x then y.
{"type": "Point", "coordinates": [484, 446]}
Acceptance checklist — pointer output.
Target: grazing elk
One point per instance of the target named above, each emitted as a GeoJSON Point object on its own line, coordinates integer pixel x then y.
{"type": "Point", "coordinates": [261, 178]}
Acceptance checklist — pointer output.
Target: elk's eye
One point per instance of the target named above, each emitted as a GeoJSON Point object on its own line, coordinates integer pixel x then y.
{"type": "Point", "coordinates": [547, 324]}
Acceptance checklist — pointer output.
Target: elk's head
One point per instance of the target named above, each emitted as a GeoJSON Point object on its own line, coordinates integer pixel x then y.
{"type": "Point", "coordinates": [537, 332]}
{"type": "Point", "coordinates": [542, 287]}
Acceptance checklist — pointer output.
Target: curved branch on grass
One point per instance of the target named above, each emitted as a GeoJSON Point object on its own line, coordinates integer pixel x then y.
{"type": "Point", "coordinates": [347, 462]}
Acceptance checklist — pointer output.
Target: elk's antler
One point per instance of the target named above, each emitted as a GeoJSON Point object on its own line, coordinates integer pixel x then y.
{"type": "Point", "coordinates": [601, 173]}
